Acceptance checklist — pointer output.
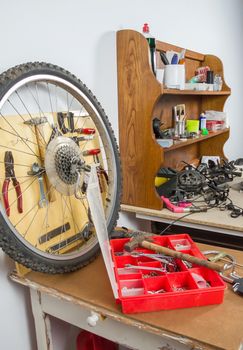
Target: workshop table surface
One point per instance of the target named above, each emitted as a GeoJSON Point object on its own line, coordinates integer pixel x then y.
{"type": "Point", "coordinates": [215, 326]}
{"type": "Point", "coordinates": [213, 218]}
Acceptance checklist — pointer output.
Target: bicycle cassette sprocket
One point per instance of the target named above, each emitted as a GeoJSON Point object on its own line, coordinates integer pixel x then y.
{"type": "Point", "coordinates": [59, 158]}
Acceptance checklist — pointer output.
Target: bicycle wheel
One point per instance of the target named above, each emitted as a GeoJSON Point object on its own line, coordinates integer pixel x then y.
{"type": "Point", "coordinates": [52, 129]}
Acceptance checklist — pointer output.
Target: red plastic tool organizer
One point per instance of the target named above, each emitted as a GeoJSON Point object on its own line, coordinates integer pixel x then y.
{"type": "Point", "coordinates": [188, 286]}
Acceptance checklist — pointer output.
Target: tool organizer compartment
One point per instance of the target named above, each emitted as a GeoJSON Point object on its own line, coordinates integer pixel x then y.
{"type": "Point", "coordinates": [145, 284]}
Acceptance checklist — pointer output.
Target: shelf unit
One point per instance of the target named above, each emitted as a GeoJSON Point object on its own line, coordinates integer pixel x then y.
{"type": "Point", "coordinates": [141, 98]}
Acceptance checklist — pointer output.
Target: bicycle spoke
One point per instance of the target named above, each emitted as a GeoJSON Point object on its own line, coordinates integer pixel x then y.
{"type": "Point", "coordinates": [45, 221]}
{"type": "Point", "coordinates": [67, 101]}
{"type": "Point", "coordinates": [37, 99]}
{"type": "Point", "coordinates": [20, 115]}
{"type": "Point", "coordinates": [25, 139]}
{"type": "Point", "coordinates": [17, 150]}
{"type": "Point", "coordinates": [71, 212]}
{"type": "Point", "coordinates": [36, 212]}
{"type": "Point", "coordinates": [40, 110]}
{"type": "Point", "coordinates": [70, 105]}
{"type": "Point", "coordinates": [79, 116]}
{"type": "Point", "coordinates": [21, 195]}
{"type": "Point", "coordinates": [20, 98]}
{"type": "Point", "coordinates": [24, 165]}
{"type": "Point", "coordinates": [37, 203]}
{"type": "Point", "coordinates": [63, 216]}
{"type": "Point", "coordinates": [19, 177]}
{"type": "Point", "coordinates": [43, 144]}
{"type": "Point", "coordinates": [50, 99]}
{"type": "Point", "coordinates": [28, 112]}
{"type": "Point", "coordinates": [21, 183]}
{"type": "Point", "coordinates": [18, 135]}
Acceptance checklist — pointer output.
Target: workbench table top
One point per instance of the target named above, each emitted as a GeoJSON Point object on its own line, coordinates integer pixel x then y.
{"type": "Point", "coordinates": [211, 327]}
{"type": "Point", "coordinates": [213, 218]}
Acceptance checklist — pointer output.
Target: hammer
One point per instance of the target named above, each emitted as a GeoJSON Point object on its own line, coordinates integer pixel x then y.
{"type": "Point", "coordinates": [38, 125]}
{"type": "Point", "coordinates": [142, 240]}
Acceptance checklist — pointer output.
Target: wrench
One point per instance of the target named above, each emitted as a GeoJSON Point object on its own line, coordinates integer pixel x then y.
{"type": "Point", "coordinates": [137, 267]}
{"type": "Point", "coordinates": [37, 170]}
{"type": "Point", "coordinates": [158, 257]}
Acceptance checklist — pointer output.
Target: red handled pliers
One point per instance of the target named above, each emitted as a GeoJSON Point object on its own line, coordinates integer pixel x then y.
{"type": "Point", "coordinates": [10, 175]}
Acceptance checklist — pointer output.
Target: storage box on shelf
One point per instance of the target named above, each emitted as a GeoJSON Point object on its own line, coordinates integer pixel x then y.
{"type": "Point", "coordinates": [159, 287]}
{"type": "Point", "coordinates": [141, 98]}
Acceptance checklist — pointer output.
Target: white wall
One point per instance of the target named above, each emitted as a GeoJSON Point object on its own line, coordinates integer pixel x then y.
{"type": "Point", "coordinates": [80, 36]}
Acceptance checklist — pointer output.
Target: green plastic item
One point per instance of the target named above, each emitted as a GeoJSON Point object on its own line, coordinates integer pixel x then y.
{"type": "Point", "coordinates": [204, 131]}
{"type": "Point", "coordinates": [192, 125]}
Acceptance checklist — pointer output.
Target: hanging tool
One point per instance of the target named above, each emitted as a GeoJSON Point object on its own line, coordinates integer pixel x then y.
{"type": "Point", "coordinates": [54, 233]}
{"type": "Point", "coordinates": [61, 122]}
{"type": "Point", "coordinates": [86, 131]}
{"type": "Point", "coordinates": [70, 128]}
{"type": "Point", "coordinates": [100, 170]}
{"type": "Point", "coordinates": [78, 139]}
{"type": "Point", "coordinates": [10, 175]}
{"type": "Point", "coordinates": [141, 240]}
{"type": "Point", "coordinates": [38, 125]}
{"type": "Point", "coordinates": [37, 170]}
{"type": "Point", "coordinates": [70, 122]}
{"type": "Point", "coordinates": [91, 152]}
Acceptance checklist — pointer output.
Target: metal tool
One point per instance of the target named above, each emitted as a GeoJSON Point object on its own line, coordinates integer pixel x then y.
{"type": "Point", "coordinates": [78, 139]}
{"type": "Point", "coordinates": [56, 232]}
{"type": "Point", "coordinates": [226, 257]}
{"type": "Point", "coordinates": [235, 280]}
{"type": "Point", "coordinates": [37, 170]}
{"type": "Point", "coordinates": [85, 131]}
{"type": "Point", "coordinates": [158, 257]}
{"type": "Point", "coordinates": [140, 241]}
{"type": "Point", "coordinates": [78, 238]}
{"type": "Point", "coordinates": [136, 267]}
{"type": "Point", "coordinates": [10, 175]}
{"type": "Point", "coordinates": [91, 152]}
{"type": "Point", "coordinates": [38, 125]}
{"type": "Point", "coordinates": [61, 122]}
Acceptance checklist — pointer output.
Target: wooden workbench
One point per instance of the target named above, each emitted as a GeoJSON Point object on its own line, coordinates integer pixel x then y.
{"type": "Point", "coordinates": [71, 297]}
{"type": "Point", "coordinates": [213, 220]}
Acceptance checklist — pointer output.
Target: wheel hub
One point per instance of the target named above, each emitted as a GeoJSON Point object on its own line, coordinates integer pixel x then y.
{"type": "Point", "coordinates": [63, 164]}
{"type": "Point", "coordinates": [62, 156]}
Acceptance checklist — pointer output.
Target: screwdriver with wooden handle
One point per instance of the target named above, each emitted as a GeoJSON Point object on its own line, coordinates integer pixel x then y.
{"type": "Point", "coordinates": [140, 241]}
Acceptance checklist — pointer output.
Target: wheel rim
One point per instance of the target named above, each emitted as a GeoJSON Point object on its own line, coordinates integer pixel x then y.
{"type": "Point", "coordinates": [13, 103]}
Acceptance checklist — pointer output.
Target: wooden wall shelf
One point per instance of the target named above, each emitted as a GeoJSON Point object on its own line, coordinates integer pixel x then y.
{"type": "Point", "coordinates": [180, 144]}
{"type": "Point", "coordinates": [141, 98]}
{"type": "Point", "coordinates": [194, 92]}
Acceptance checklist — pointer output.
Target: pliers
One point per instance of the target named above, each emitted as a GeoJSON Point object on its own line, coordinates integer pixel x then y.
{"type": "Point", "coordinates": [10, 175]}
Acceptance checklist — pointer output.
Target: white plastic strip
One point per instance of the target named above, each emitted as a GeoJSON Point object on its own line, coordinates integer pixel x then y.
{"type": "Point", "coordinates": [99, 221]}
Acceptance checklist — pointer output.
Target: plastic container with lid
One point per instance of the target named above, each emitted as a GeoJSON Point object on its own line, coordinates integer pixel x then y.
{"type": "Point", "coordinates": [151, 42]}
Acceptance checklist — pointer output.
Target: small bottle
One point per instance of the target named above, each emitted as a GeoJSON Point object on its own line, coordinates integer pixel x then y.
{"type": "Point", "coordinates": [202, 121]}
{"type": "Point", "coordinates": [151, 42]}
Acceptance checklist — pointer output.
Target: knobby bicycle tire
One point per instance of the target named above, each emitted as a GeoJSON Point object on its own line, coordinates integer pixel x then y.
{"type": "Point", "coordinates": [20, 77]}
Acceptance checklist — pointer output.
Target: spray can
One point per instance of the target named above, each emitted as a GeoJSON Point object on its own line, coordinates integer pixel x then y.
{"type": "Point", "coordinates": [202, 121]}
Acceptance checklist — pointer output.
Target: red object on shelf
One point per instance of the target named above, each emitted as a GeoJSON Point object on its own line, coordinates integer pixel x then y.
{"type": "Point", "coordinates": [165, 288]}
{"type": "Point", "coordinates": [89, 341]}
{"type": "Point", "coordinates": [214, 125]}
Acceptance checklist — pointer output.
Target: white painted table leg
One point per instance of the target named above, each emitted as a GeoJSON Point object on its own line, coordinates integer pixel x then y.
{"type": "Point", "coordinates": [42, 322]}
